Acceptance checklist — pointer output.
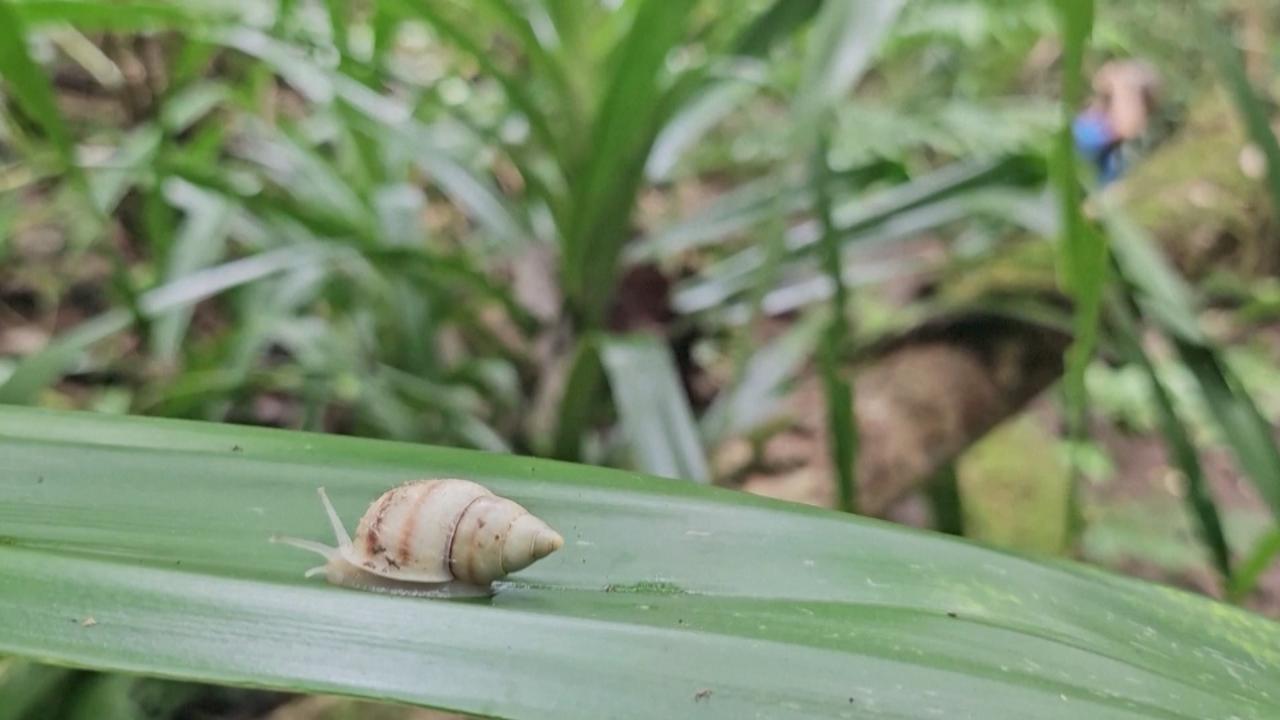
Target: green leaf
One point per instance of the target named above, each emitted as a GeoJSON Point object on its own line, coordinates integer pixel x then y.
{"type": "Point", "coordinates": [543, 60]}
{"type": "Point", "coordinates": [27, 688]}
{"type": "Point", "coordinates": [845, 37]}
{"type": "Point", "coordinates": [698, 116]}
{"type": "Point", "coordinates": [117, 15]}
{"type": "Point", "coordinates": [1251, 570]}
{"type": "Point", "coordinates": [1178, 439]}
{"type": "Point", "coordinates": [30, 88]}
{"type": "Point", "coordinates": [623, 129]}
{"type": "Point", "coordinates": [755, 398]}
{"type": "Point", "coordinates": [655, 411]}
{"type": "Point", "coordinates": [1083, 251]}
{"type": "Point", "coordinates": [842, 430]}
{"type": "Point", "coordinates": [199, 242]}
{"type": "Point", "coordinates": [129, 164]}
{"type": "Point", "coordinates": [769, 28]}
{"type": "Point", "coordinates": [1163, 294]}
{"type": "Point", "coordinates": [1164, 297]}
{"type": "Point", "coordinates": [742, 208]}
{"type": "Point", "coordinates": [471, 193]}
{"type": "Point", "coordinates": [917, 205]}
{"type": "Point", "coordinates": [456, 32]}
{"type": "Point", "coordinates": [1243, 428]}
{"type": "Point", "coordinates": [668, 599]}
{"type": "Point", "coordinates": [579, 401]}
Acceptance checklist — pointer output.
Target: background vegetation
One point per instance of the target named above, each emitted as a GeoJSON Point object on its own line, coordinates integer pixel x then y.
{"type": "Point", "coordinates": [840, 253]}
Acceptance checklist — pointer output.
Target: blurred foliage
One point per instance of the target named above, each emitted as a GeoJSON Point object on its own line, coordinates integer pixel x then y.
{"type": "Point", "coordinates": [564, 227]}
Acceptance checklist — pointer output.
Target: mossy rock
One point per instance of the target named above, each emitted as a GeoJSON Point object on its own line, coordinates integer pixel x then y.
{"type": "Point", "coordinates": [1195, 199]}
{"type": "Point", "coordinates": [1015, 489]}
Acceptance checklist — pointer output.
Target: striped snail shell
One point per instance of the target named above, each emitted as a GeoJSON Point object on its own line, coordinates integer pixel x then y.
{"type": "Point", "coordinates": [427, 536]}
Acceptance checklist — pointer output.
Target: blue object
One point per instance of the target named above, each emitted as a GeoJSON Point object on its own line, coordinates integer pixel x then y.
{"type": "Point", "coordinates": [1099, 144]}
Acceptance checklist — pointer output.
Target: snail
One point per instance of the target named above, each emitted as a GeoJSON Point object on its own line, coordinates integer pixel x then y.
{"type": "Point", "coordinates": [434, 538]}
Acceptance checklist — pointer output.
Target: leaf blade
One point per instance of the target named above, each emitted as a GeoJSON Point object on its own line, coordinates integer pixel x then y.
{"type": "Point", "coordinates": [654, 407]}
{"type": "Point", "coordinates": [109, 531]}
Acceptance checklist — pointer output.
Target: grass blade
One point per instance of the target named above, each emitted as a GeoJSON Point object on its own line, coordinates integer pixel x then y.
{"type": "Point", "coordinates": [579, 402]}
{"type": "Point", "coordinates": [946, 501]}
{"type": "Point", "coordinates": [1083, 254]}
{"type": "Point", "coordinates": [756, 397]}
{"type": "Point", "coordinates": [846, 37]}
{"type": "Point", "coordinates": [769, 28]}
{"type": "Point", "coordinates": [622, 133]}
{"type": "Point", "coordinates": [663, 590]}
{"type": "Point", "coordinates": [1250, 571]}
{"type": "Point", "coordinates": [27, 688]}
{"type": "Point", "coordinates": [1165, 299]}
{"type": "Point", "coordinates": [39, 371]}
{"type": "Point", "coordinates": [1243, 427]}
{"type": "Point", "coordinates": [699, 115]}
{"type": "Point", "coordinates": [654, 407]}
{"type": "Point", "coordinates": [854, 219]}
{"type": "Point", "coordinates": [199, 242]}
{"type": "Point", "coordinates": [842, 430]}
{"type": "Point", "coordinates": [31, 90]}
{"type": "Point", "coordinates": [1177, 439]}
{"type": "Point", "coordinates": [453, 31]}
{"type": "Point", "coordinates": [115, 16]}
{"type": "Point", "coordinates": [745, 207]}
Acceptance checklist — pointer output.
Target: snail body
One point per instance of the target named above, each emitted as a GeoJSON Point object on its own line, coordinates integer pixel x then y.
{"type": "Point", "coordinates": [440, 537]}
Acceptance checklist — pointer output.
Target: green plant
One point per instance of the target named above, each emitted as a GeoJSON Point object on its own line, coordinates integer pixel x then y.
{"type": "Point", "coordinates": [140, 545]}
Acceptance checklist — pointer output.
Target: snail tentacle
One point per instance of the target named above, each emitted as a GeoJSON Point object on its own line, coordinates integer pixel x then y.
{"type": "Point", "coordinates": [319, 548]}
{"type": "Point", "coordinates": [339, 530]}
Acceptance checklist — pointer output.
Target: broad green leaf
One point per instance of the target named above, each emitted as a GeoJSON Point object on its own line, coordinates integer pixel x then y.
{"type": "Point", "coordinates": [655, 411]}
{"type": "Point", "coordinates": [668, 599]}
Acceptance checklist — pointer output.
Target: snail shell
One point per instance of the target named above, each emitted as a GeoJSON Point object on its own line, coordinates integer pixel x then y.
{"type": "Point", "coordinates": [429, 536]}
